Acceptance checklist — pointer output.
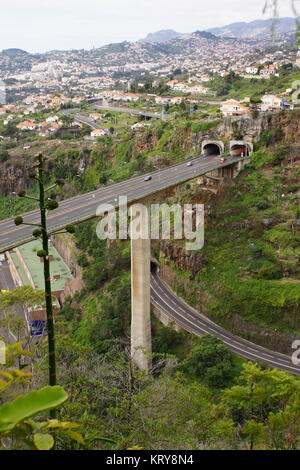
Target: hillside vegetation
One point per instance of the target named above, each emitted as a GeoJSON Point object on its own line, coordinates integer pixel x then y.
{"type": "Point", "coordinates": [199, 395]}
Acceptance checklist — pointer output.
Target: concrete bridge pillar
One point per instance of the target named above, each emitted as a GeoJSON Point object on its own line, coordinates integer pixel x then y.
{"type": "Point", "coordinates": [141, 347]}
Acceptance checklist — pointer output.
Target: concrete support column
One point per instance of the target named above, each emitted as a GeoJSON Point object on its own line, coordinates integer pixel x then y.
{"type": "Point", "coordinates": [141, 346]}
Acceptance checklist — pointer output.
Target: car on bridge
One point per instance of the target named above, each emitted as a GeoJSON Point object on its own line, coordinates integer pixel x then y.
{"type": "Point", "coordinates": [148, 178]}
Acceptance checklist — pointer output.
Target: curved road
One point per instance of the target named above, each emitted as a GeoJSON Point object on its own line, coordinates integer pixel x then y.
{"type": "Point", "coordinates": [189, 319]}
{"type": "Point", "coordinates": [84, 207]}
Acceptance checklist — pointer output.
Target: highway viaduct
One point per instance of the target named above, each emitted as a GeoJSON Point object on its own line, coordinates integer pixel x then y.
{"type": "Point", "coordinates": [145, 286]}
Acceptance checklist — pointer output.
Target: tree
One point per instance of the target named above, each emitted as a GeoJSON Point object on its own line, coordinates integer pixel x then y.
{"type": "Point", "coordinates": [211, 361]}
{"type": "Point", "coordinates": [170, 413]}
{"type": "Point", "coordinates": [10, 301]}
{"type": "Point", "coordinates": [41, 232]}
{"type": "Point", "coordinates": [265, 406]}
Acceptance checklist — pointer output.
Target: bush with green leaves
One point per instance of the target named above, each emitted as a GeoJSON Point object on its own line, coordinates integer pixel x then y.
{"type": "Point", "coordinates": [211, 361]}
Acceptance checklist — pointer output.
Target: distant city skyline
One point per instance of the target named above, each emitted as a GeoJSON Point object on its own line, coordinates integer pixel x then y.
{"type": "Point", "coordinates": [38, 26]}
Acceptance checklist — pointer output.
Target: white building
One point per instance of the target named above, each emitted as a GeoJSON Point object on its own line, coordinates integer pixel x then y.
{"type": "Point", "coordinates": [234, 108]}
{"type": "Point", "coordinates": [98, 133]}
{"type": "Point", "coordinates": [271, 102]}
{"type": "Point", "coordinates": [52, 119]}
{"type": "Point", "coordinates": [139, 125]}
{"type": "Point", "coordinates": [161, 100]}
{"type": "Point", "coordinates": [176, 100]}
{"type": "Point", "coordinates": [252, 70]}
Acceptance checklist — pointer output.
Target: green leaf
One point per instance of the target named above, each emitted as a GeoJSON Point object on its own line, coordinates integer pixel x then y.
{"type": "Point", "coordinates": [76, 436]}
{"type": "Point", "coordinates": [36, 425]}
{"type": "Point", "coordinates": [29, 405]}
{"type": "Point", "coordinates": [43, 441]}
{"type": "Point", "coordinates": [55, 424]}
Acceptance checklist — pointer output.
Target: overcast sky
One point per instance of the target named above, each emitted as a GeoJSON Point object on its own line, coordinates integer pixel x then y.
{"type": "Point", "coordinates": [40, 25]}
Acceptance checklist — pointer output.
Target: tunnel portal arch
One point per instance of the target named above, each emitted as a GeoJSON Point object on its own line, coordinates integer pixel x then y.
{"type": "Point", "coordinates": [240, 147]}
{"type": "Point", "coordinates": [212, 147]}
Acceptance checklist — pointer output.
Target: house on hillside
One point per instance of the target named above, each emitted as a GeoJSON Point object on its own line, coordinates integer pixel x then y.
{"type": "Point", "coordinates": [162, 100]}
{"type": "Point", "coordinates": [98, 133]}
{"type": "Point", "coordinates": [234, 108]}
{"type": "Point", "coordinates": [95, 116]}
{"type": "Point", "coordinates": [52, 119]}
{"type": "Point", "coordinates": [27, 125]}
{"type": "Point", "coordinates": [271, 103]}
{"type": "Point", "coordinates": [176, 100]}
{"type": "Point", "coordinates": [252, 70]}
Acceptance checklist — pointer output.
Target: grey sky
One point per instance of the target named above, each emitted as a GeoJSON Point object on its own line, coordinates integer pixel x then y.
{"type": "Point", "coordinates": [40, 25]}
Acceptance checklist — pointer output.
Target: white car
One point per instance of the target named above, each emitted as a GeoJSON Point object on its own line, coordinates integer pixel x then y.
{"type": "Point", "coordinates": [189, 164]}
{"type": "Point", "coordinates": [148, 178]}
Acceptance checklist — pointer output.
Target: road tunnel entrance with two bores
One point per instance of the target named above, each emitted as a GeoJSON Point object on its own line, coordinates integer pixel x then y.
{"type": "Point", "coordinates": [212, 148]}
{"type": "Point", "coordinates": [240, 148]}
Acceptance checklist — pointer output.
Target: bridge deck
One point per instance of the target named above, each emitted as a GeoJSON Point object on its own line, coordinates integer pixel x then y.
{"type": "Point", "coordinates": [83, 207]}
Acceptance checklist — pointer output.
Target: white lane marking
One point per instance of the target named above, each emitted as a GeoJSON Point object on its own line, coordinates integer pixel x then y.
{"type": "Point", "coordinates": [226, 341]}
{"type": "Point", "coordinates": [213, 330]}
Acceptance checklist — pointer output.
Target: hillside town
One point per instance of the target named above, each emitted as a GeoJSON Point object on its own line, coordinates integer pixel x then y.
{"type": "Point", "coordinates": [139, 75]}
{"type": "Point", "coordinates": [201, 56]}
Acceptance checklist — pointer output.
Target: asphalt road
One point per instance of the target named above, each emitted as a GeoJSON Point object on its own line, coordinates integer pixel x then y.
{"type": "Point", "coordinates": [133, 111]}
{"type": "Point", "coordinates": [84, 207]}
{"type": "Point", "coordinates": [191, 320]}
{"type": "Point", "coordinates": [86, 120]}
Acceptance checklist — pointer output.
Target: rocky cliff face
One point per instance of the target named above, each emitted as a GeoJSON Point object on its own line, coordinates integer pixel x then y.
{"type": "Point", "coordinates": [248, 128]}
{"type": "Point", "coordinates": [183, 260]}
{"type": "Point", "coordinates": [146, 143]}
{"type": "Point", "coordinates": [13, 178]}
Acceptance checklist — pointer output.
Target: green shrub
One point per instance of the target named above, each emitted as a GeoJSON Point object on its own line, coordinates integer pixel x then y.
{"type": "Point", "coordinates": [204, 126]}
{"type": "Point", "coordinates": [211, 361]}
{"type": "Point", "coordinates": [270, 272]}
{"type": "Point", "coordinates": [262, 205]}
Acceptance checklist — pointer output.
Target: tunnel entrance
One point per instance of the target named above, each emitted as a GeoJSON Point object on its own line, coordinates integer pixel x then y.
{"type": "Point", "coordinates": [154, 266]}
{"type": "Point", "coordinates": [239, 150]}
{"type": "Point", "coordinates": [211, 150]}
